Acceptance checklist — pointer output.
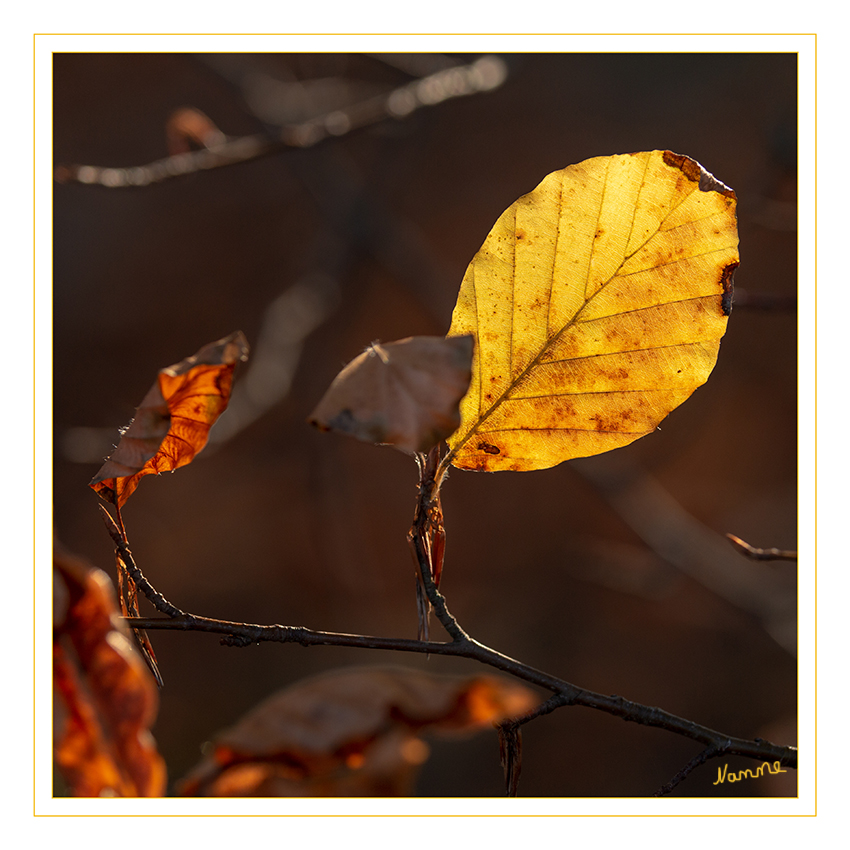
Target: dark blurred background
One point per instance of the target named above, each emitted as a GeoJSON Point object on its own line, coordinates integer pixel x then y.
{"type": "Point", "coordinates": [611, 572]}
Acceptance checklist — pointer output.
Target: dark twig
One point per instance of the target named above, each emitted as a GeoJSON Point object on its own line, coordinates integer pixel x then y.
{"type": "Point", "coordinates": [510, 740]}
{"type": "Point", "coordinates": [437, 600]}
{"type": "Point", "coordinates": [695, 762]}
{"type": "Point", "coordinates": [119, 539]}
{"type": "Point", "coordinates": [555, 701]}
{"type": "Point", "coordinates": [427, 540]}
{"type": "Point", "coordinates": [465, 647]}
{"type": "Point", "coordinates": [127, 587]}
{"type": "Point", "coordinates": [245, 634]}
{"type": "Point", "coordinates": [762, 554]}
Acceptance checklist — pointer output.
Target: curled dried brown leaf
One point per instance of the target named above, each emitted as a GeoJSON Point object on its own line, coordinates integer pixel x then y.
{"type": "Point", "coordinates": [405, 393]}
{"type": "Point", "coordinates": [106, 699]}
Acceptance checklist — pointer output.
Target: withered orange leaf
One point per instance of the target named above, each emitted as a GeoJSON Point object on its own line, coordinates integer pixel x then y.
{"type": "Point", "coordinates": [351, 732]}
{"type": "Point", "coordinates": [405, 393]}
{"type": "Point", "coordinates": [106, 699]}
{"type": "Point", "coordinates": [174, 419]}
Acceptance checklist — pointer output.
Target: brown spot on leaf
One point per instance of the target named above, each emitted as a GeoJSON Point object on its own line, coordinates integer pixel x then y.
{"type": "Point", "coordinates": [489, 448]}
{"type": "Point", "coordinates": [695, 172]}
{"type": "Point", "coordinates": [567, 409]}
{"type": "Point", "coordinates": [685, 164]}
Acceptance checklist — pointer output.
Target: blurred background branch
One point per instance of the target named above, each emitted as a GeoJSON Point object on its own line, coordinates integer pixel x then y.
{"type": "Point", "coordinates": [287, 105]}
{"type": "Point", "coordinates": [696, 550]}
{"type": "Point", "coordinates": [757, 554]}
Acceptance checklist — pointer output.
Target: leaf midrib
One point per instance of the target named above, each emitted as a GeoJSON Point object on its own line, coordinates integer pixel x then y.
{"type": "Point", "coordinates": [505, 396]}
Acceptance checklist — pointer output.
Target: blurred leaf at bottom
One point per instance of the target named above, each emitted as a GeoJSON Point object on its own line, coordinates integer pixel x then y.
{"type": "Point", "coordinates": [349, 733]}
{"type": "Point", "coordinates": [105, 699]}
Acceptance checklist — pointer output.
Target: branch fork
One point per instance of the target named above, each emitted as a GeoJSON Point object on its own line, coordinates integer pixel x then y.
{"type": "Point", "coordinates": [427, 542]}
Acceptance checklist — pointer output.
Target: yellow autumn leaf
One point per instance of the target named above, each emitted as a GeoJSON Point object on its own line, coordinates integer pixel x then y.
{"type": "Point", "coordinates": [597, 303]}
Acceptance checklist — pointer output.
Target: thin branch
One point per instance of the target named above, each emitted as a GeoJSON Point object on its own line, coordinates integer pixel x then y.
{"type": "Point", "coordinates": [119, 539]}
{"type": "Point", "coordinates": [565, 692]}
{"type": "Point", "coordinates": [510, 740]}
{"type": "Point", "coordinates": [695, 762]}
{"type": "Point", "coordinates": [427, 527]}
{"type": "Point", "coordinates": [555, 701]}
{"type": "Point", "coordinates": [693, 548]}
{"type": "Point", "coordinates": [437, 600]}
{"type": "Point", "coordinates": [761, 554]}
{"type": "Point", "coordinates": [484, 74]}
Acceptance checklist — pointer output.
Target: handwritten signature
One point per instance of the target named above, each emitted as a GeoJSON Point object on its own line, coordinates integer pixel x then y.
{"type": "Point", "coordinates": [747, 773]}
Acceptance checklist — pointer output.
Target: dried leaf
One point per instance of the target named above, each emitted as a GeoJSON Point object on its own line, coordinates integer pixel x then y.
{"type": "Point", "coordinates": [353, 732]}
{"type": "Point", "coordinates": [173, 421]}
{"type": "Point", "coordinates": [106, 699]}
{"type": "Point", "coordinates": [128, 598]}
{"type": "Point", "coordinates": [427, 537]}
{"type": "Point", "coordinates": [405, 393]}
{"type": "Point", "coordinates": [510, 754]}
{"type": "Point", "coordinates": [597, 303]}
